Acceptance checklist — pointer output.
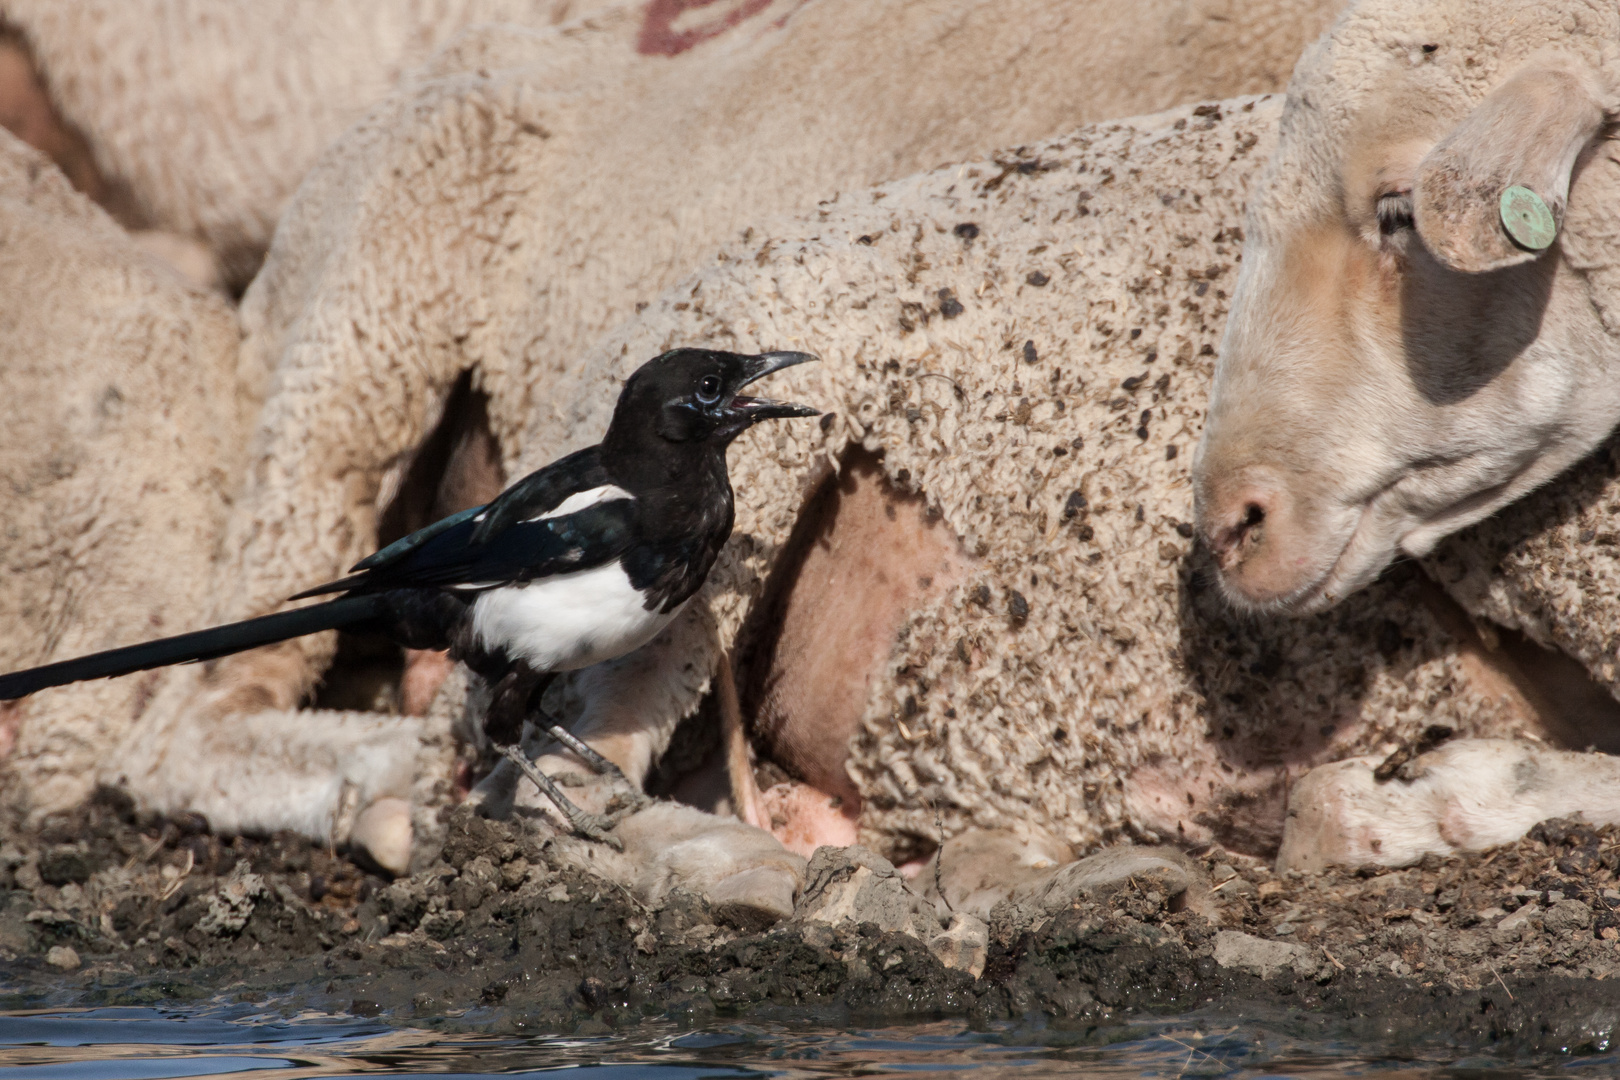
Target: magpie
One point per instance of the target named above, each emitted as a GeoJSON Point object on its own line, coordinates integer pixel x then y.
{"type": "Point", "coordinates": [581, 561]}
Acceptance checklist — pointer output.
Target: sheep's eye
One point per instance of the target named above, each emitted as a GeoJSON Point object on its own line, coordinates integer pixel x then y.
{"type": "Point", "coordinates": [1394, 212]}
{"type": "Point", "coordinates": [708, 390]}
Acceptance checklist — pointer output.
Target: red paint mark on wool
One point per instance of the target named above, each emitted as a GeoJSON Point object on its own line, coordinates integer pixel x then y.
{"type": "Point", "coordinates": [660, 35]}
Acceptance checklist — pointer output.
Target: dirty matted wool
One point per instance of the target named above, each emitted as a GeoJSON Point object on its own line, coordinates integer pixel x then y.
{"type": "Point", "coordinates": [1028, 341]}
{"type": "Point", "coordinates": [1549, 566]}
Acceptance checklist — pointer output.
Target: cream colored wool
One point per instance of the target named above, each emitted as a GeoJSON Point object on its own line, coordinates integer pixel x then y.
{"type": "Point", "coordinates": [123, 437]}
{"type": "Point", "coordinates": [125, 432]}
{"type": "Point", "coordinates": [1122, 664]}
{"type": "Point", "coordinates": [208, 114]}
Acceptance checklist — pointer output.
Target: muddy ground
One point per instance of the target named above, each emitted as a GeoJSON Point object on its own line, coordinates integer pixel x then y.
{"type": "Point", "coordinates": [1515, 950]}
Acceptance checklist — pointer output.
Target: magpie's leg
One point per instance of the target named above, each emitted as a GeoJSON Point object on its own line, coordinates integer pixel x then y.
{"type": "Point", "coordinates": [515, 697]}
{"type": "Point", "coordinates": [511, 698]}
{"type": "Point", "coordinates": [589, 825]}
{"type": "Point", "coordinates": [596, 761]}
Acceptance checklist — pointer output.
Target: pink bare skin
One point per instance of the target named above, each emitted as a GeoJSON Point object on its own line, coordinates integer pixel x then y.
{"type": "Point", "coordinates": [863, 556]}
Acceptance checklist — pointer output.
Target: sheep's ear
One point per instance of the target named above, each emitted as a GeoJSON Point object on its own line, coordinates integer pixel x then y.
{"type": "Point", "coordinates": [1492, 192]}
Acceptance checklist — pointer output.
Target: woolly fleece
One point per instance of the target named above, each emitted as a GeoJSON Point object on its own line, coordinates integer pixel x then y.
{"type": "Point", "coordinates": [208, 115]}
{"type": "Point", "coordinates": [123, 438]}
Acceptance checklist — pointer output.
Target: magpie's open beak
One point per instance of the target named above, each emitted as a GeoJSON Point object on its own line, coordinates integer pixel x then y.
{"type": "Point", "coordinates": [751, 410]}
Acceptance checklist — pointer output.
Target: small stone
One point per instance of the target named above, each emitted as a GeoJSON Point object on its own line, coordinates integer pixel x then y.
{"type": "Point", "coordinates": [1521, 917]}
{"type": "Point", "coordinates": [558, 893]}
{"type": "Point", "coordinates": [229, 907]}
{"type": "Point", "coordinates": [856, 885]}
{"type": "Point", "coordinates": [1257, 956]}
{"type": "Point", "coordinates": [515, 873]}
{"type": "Point", "coordinates": [64, 957]}
{"type": "Point", "coordinates": [1222, 873]}
{"type": "Point", "coordinates": [441, 925]}
{"type": "Point", "coordinates": [1565, 916]}
{"type": "Point", "coordinates": [964, 945]}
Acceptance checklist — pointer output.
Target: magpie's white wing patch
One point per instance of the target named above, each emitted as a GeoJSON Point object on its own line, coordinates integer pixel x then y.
{"type": "Point", "coordinates": [580, 500]}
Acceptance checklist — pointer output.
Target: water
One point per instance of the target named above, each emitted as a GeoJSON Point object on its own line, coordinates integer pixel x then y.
{"type": "Point", "coordinates": [151, 1044]}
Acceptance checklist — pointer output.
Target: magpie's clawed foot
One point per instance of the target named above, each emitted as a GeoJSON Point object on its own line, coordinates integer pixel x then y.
{"type": "Point", "coordinates": [599, 764]}
{"type": "Point", "coordinates": [591, 826]}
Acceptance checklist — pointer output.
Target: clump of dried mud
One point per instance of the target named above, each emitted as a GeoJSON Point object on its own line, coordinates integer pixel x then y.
{"type": "Point", "coordinates": [1515, 949]}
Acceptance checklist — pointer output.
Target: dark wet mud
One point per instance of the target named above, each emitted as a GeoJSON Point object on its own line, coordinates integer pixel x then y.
{"type": "Point", "coordinates": [1512, 951]}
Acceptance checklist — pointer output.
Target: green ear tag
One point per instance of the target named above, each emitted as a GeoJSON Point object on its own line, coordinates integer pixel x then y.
{"type": "Point", "coordinates": [1527, 219]}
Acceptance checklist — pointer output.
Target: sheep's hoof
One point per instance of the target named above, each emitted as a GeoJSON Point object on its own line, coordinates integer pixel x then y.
{"type": "Point", "coordinates": [383, 831]}
{"type": "Point", "coordinates": [754, 899]}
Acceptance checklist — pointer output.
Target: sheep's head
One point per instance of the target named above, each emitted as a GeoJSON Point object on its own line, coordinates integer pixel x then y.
{"type": "Point", "coordinates": [1409, 347]}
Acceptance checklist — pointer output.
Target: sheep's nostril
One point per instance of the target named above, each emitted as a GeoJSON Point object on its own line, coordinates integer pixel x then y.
{"type": "Point", "coordinates": [1243, 535]}
{"type": "Point", "coordinates": [1249, 529]}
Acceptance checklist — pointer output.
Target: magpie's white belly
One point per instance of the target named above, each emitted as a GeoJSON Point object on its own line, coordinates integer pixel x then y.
{"type": "Point", "coordinates": [568, 621]}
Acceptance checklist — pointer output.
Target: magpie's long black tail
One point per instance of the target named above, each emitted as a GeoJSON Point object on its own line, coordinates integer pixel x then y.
{"type": "Point", "coordinates": [201, 645]}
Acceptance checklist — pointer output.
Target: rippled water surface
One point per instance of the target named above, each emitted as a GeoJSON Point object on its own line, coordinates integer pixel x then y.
{"type": "Point", "coordinates": [146, 1044]}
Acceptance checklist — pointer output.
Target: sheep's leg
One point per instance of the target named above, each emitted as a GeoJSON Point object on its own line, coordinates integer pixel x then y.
{"type": "Point", "coordinates": [973, 872]}
{"type": "Point", "coordinates": [365, 780]}
{"type": "Point", "coordinates": [1468, 795]}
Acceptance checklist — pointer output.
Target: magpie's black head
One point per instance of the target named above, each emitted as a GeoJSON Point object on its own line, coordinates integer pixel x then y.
{"type": "Point", "coordinates": [692, 396]}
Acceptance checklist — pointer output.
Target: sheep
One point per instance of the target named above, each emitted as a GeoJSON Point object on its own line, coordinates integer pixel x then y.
{"type": "Point", "coordinates": [399, 266]}
{"type": "Point", "coordinates": [123, 434]}
{"type": "Point", "coordinates": [202, 123]}
{"type": "Point", "coordinates": [126, 430]}
{"type": "Point", "coordinates": [1462, 361]}
{"type": "Point", "coordinates": [1345, 432]}
{"type": "Point", "coordinates": [265, 87]}
{"type": "Point", "coordinates": [1077, 679]}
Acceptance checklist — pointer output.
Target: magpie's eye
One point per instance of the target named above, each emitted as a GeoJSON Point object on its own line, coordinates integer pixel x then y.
{"type": "Point", "coordinates": [708, 390]}
{"type": "Point", "coordinates": [1394, 212]}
